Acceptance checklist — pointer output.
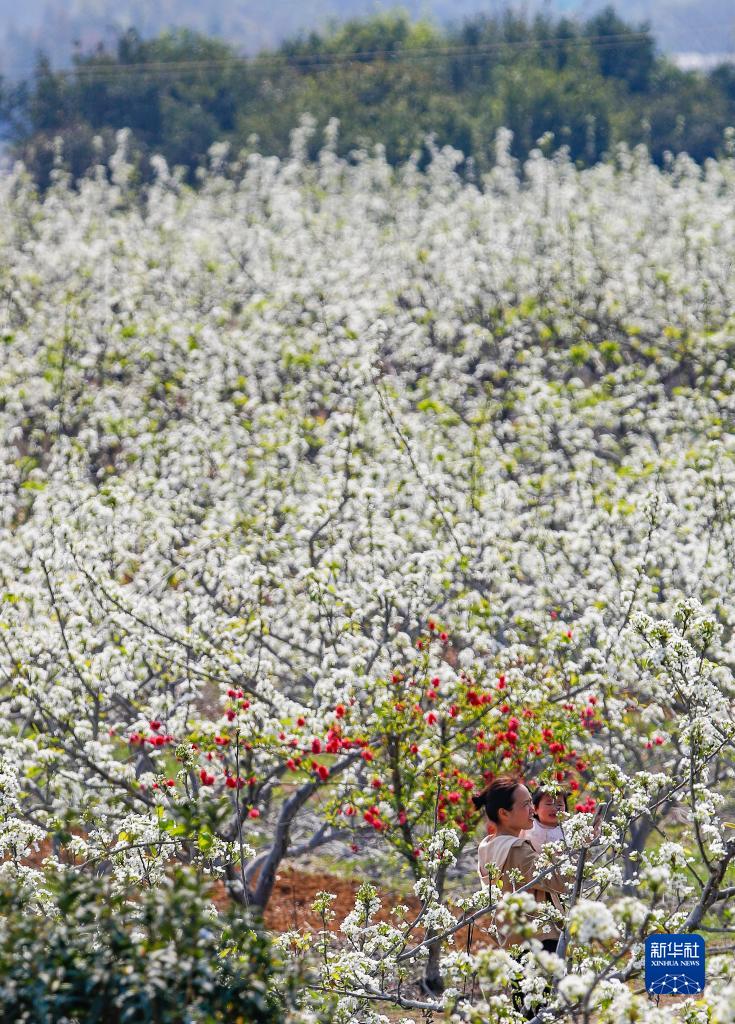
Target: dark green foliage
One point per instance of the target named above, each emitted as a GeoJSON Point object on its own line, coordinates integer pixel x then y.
{"type": "Point", "coordinates": [591, 84]}
{"type": "Point", "coordinates": [157, 955]}
{"type": "Point", "coordinates": [621, 52]}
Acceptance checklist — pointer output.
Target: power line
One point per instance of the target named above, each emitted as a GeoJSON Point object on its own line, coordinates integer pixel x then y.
{"type": "Point", "coordinates": [342, 59]}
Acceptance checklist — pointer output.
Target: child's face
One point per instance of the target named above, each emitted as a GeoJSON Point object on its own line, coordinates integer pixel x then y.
{"type": "Point", "coordinates": [548, 809]}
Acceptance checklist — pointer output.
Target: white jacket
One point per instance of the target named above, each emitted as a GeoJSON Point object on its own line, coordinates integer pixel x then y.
{"type": "Point", "coordinates": [540, 835]}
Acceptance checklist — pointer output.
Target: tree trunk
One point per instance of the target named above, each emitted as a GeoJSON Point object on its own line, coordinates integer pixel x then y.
{"type": "Point", "coordinates": [639, 833]}
{"type": "Point", "coordinates": [433, 980]}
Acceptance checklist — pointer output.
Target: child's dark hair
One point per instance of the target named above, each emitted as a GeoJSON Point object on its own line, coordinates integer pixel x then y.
{"type": "Point", "coordinates": [497, 795]}
{"type": "Point", "coordinates": [541, 792]}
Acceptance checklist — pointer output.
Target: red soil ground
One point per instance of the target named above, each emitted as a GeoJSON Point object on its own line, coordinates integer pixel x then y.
{"type": "Point", "coordinates": [295, 890]}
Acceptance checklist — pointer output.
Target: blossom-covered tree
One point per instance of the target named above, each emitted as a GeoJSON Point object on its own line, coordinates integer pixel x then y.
{"type": "Point", "coordinates": [329, 491]}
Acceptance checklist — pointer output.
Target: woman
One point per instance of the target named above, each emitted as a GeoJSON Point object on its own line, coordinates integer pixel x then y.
{"type": "Point", "coordinates": [508, 805]}
{"type": "Point", "coordinates": [546, 826]}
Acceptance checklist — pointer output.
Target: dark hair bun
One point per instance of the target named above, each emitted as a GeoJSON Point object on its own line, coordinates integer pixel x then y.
{"type": "Point", "coordinates": [479, 801]}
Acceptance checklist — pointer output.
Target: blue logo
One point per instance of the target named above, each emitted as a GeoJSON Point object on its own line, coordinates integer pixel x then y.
{"type": "Point", "coordinates": [674, 964]}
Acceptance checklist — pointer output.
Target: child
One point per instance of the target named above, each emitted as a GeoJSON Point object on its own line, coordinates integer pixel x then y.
{"type": "Point", "coordinates": [546, 827]}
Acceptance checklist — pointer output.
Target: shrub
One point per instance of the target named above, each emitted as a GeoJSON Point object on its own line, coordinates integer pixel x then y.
{"type": "Point", "coordinates": [86, 950]}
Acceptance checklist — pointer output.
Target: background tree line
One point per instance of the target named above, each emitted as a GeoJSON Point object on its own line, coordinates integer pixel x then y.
{"type": "Point", "coordinates": [590, 84]}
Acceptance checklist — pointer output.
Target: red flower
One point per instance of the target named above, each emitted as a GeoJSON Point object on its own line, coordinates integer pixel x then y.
{"type": "Point", "coordinates": [230, 715]}
{"type": "Point", "coordinates": [349, 810]}
{"type": "Point", "coordinates": [206, 778]}
{"type": "Point", "coordinates": [155, 726]}
{"type": "Point", "coordinates": [291, 764]}
{"type": "Point", "coordinates": [443, 637]}
{"type": "Point", "coordinates": [376, 783]}
{"type": "Point", "coordinates": [414, 748]}
{"type": "Point", "coordinates": [323, 772]}
{"type": "Point", "coordinates": [316, 746]}
{"type": "Point", "coordinates": [430, 718]}
{"type": "Point", "coordinates": [340, 711]}
{"type": "Point", "coordinates": [402, 818]}
{"type": "Point", "coordinates": [253, 812]}
{"type": "Point", "coordinates": [300, 721]}
{"type": "Point", "coordinates": [501, 683]}
{"type": "Point", "coordinates": [170, 782]}
{"type": "Point", "coordinates": [366, 755]}
{"type": "Point", "coordinates": [453, 711]}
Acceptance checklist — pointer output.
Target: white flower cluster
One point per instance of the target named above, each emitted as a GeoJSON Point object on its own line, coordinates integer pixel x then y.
{"type": "Point", "coordinates": [590, 920]}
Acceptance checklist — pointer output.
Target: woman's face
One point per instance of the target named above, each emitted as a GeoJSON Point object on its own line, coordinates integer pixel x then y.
{"type": "Point", "coordinates": [548, 809]}
{"type": "Point", "coordinates": [520, 816]}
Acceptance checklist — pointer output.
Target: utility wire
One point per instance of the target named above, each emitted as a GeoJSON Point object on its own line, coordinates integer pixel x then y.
{"type": "Point", "coordinates": [322, 61]}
